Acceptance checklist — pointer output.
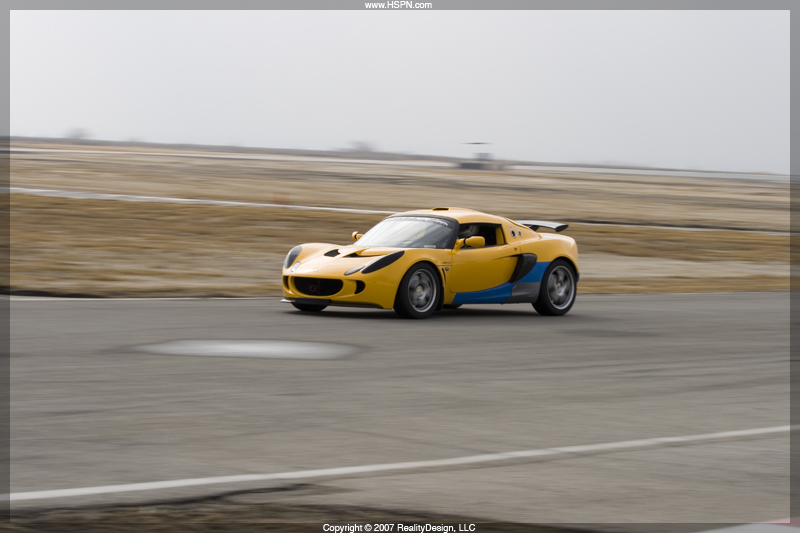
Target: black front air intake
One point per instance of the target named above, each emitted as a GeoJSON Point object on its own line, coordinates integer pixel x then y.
{"type": "Point", "coordinates": [318, 286]}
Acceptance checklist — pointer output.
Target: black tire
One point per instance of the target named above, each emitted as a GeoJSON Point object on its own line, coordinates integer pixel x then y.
{"type": "Point", "coordinates": [309, 308]}
{"type": "Point", "coordinates": [452, 306]}
{"type": "Point", "coordinates": [558, 289]}
{"type": "Point", "coordinates": [419, 292]}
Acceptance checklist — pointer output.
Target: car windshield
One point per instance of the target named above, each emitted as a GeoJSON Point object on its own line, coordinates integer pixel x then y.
{"type": "Point", "coordinates": [409, 232]}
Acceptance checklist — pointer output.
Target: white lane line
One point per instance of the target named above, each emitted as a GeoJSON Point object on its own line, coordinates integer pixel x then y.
{"type": "Point", "coordinates": [779, 178]}
{"type": "Point", "coordinates": [76, 195]}
{"type": "Point", "coordinates": [79, 195]}
{"type": "Point", "coordinates": [264, 157]}
{"type": "Point", "coordinates": [396, 467]}
{"type": "Point", "coordinates": [783, 178]}
{"type": "Point", "coordinates": [684, 228]}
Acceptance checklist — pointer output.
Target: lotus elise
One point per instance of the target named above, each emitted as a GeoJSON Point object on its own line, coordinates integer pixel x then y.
{"type": "Point", "coordinates": [419, 262]}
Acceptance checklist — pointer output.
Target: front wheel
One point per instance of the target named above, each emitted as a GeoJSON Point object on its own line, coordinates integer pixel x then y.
{"type": "Point", "coordinates": [309, 308]}
{"type": "Point", "coordinates": [418, 293]}
{"type": "Point", "coordinates": [558, 288]}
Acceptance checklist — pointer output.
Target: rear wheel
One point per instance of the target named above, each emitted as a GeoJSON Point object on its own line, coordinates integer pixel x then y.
{"type": "Point", "coordinates": [557, 291]}
{"type": "Point", "coordinates": [309, 308]}
{"type": "Point", "coordinates": [418, 293]}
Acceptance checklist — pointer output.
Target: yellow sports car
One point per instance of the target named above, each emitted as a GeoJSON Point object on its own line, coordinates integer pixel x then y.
{"type": "Point", "coordinates": [418, 262]}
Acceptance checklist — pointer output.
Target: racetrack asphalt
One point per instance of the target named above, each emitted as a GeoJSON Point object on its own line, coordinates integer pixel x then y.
{"type": "Point", "coordinates": [90, 409]}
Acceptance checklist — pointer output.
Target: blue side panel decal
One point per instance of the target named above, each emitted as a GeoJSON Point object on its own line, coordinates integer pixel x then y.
{"type": "Point", "coordinates": [501, 293]}
{"type": "Point", "coordinates": [496, 295]}
{"type": "Point", "coordinates": [536, 274]}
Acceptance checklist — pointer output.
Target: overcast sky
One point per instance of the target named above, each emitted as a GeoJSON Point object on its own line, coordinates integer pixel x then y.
{"type": "Point", "coordinates": [686, 89]}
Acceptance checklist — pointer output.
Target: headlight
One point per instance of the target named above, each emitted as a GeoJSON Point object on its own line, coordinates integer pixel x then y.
{"type": "Point", "coordinates": [353, 270]}
{"type": "Point", "coordinates": [292, 255]}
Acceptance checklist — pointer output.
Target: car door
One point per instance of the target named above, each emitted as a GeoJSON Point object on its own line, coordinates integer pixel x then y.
{"type": "Point", "coordinates": [477, 269]}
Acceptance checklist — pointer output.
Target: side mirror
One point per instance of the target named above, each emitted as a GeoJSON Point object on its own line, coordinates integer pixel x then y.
{"type": "Point", "coordinates": [356, 235]}
{"type": "Point", "coordinates": [475, 242]}
{"type": "Point", "coordinates": [471, 242]}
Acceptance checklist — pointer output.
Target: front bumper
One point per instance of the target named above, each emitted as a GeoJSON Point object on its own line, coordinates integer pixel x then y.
{"type": "Point", "coordinates": [372, 290]}
{"type": "Point", "coordinates": [327, 301]}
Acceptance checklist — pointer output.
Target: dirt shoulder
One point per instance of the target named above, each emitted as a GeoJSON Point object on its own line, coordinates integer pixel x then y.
{"type": "Point", "coordinates": [117, 248]}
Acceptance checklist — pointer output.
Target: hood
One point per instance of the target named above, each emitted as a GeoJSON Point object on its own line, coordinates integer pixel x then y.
{"type": "Point", "coordinates": [351, 256]}
{"type": "Point", "coordinates": [360, 251]}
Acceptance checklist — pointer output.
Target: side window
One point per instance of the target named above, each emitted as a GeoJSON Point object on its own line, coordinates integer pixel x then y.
{"type": "Point", "coordinates": [492, 233]}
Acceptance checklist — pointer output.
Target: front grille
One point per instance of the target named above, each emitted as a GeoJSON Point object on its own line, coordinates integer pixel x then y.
{"type": "Point", "coordinates": [318, 286]}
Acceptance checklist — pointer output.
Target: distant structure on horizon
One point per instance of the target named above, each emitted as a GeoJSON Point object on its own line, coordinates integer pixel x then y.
{"type": "Point", "coordinates": [482, 161]}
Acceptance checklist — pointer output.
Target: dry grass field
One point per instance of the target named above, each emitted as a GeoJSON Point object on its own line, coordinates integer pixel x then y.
{"type": "Point", "coordinates": [118, 248]}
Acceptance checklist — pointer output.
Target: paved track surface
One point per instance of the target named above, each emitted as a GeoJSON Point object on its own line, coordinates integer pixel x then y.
{"type": "Point", "coordinates": [90, 410]}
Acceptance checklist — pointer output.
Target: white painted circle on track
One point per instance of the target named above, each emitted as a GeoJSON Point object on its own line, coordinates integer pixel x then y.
{"type": "Point", "coordinates": [264, 349]}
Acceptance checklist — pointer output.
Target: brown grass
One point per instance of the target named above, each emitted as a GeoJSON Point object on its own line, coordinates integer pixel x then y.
{"type": "Point", "coordinates": [718, 245]}
{"type": "Point", "coordinates": [520, 194]}
{"type": "Point", "coordinates": [115, 248]}
{"type": "Point", "coordinates": [680, 284]}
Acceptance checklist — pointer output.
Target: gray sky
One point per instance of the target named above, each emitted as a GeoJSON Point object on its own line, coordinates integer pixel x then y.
{"type": "Point", "coordinates": [687, 89]}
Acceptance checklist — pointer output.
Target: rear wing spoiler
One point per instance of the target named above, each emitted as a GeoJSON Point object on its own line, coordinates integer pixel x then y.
{"type": "Point", "coordinates": [536, 224]}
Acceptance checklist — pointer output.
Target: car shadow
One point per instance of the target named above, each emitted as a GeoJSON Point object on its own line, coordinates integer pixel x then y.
{"type": "Point", "coordinates": [444, 314]}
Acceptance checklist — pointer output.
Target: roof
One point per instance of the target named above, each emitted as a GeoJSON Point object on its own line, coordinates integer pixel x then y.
{"type": "Point", "coordinates": [461, 214]}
